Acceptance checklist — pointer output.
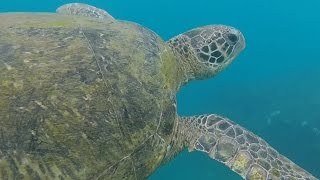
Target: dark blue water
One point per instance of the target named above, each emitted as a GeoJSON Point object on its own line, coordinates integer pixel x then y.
{"type": "Point", "coordinates": [273, 88]}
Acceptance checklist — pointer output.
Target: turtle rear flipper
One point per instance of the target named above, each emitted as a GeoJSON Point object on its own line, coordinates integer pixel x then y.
{"type": "Point", "coordinates": [80, 9]}
{"type": "Point", "coordinates": [239, 149]}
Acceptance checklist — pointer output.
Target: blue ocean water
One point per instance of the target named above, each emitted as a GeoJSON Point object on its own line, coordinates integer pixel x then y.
{"type": "Point", "coordinates": [273, 88]}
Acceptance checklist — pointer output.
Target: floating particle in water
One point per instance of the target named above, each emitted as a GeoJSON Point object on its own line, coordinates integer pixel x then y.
{"type": "Point", "coordinates": [275, 113]}
{"type": "Point", "coordinates": [272, 115]}
{"type": "Point", "coordinates": [316, 131]}
{"type": "Point", "coordinates": [304, 123]}
{"type": "Point", "coordinates": [269, 121]}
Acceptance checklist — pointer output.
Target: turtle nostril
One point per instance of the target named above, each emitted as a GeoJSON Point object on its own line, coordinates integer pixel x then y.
{"type": "Point", "coordinates": [232, 37]}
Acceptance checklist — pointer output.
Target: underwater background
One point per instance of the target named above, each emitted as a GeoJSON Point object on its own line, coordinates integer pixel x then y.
{"type": "Point", "coordinates": [272, 88]}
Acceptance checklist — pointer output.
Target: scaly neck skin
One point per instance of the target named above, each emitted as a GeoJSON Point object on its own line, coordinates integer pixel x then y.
{"type": "Point", "coordinates": [188, 67]}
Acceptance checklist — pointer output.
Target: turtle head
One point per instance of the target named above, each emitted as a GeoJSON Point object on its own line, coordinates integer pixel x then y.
{"type": "Point", "coordinates": [203, 52]}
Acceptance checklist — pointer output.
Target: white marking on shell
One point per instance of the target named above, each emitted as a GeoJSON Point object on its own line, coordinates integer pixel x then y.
{"type": "Point", "coordinates": [41, 105]}
{"type": "Point", "coordinates": [84, 135]}
{"type": "Point", "coordinates": [8, 66]}
{"type": "Point", "coordinates": [33, 132]}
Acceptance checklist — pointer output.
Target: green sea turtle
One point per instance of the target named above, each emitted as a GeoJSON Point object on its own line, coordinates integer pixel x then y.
{"type": "Point", "coordinates": [86, 96]}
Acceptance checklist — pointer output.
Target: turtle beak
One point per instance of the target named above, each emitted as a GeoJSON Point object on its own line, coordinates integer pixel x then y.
{"type": "Point", "coordinates": [241, 44]}
{"type": "Point", "coordinates": [242, 41]}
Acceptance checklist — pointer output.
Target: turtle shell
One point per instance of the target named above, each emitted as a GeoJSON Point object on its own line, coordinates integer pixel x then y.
{"type": "Point", "coordinates": [83, 98]}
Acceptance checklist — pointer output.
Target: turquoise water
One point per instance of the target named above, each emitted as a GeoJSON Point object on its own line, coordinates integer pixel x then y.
{"type": "Point", "coordinates": [273, 88]}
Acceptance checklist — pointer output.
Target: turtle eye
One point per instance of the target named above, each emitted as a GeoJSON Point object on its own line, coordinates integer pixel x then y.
{"type": "Point", "coordinates": [232, 37]}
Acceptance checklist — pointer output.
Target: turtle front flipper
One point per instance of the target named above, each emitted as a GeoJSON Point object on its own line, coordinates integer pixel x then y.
{"type": "Point", "coordinates": [80, 9]}
{"type": "Point", "coordinates": [239, 149]}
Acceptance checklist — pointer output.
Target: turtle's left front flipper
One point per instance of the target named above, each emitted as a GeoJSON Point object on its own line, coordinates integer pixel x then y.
{"type": "Point", "coordinates": [239, 149]}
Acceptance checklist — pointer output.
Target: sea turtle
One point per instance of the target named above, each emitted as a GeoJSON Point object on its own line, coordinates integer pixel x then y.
{"type": "Point", "coordinates": [86, 96]}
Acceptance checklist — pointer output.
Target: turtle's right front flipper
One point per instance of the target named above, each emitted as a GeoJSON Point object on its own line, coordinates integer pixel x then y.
{"type": "Point", "coordinates": [239, 149]}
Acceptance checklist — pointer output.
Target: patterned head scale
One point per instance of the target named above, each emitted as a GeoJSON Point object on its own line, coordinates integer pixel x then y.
{"type": "Point", "coordinates": [209, 49]}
